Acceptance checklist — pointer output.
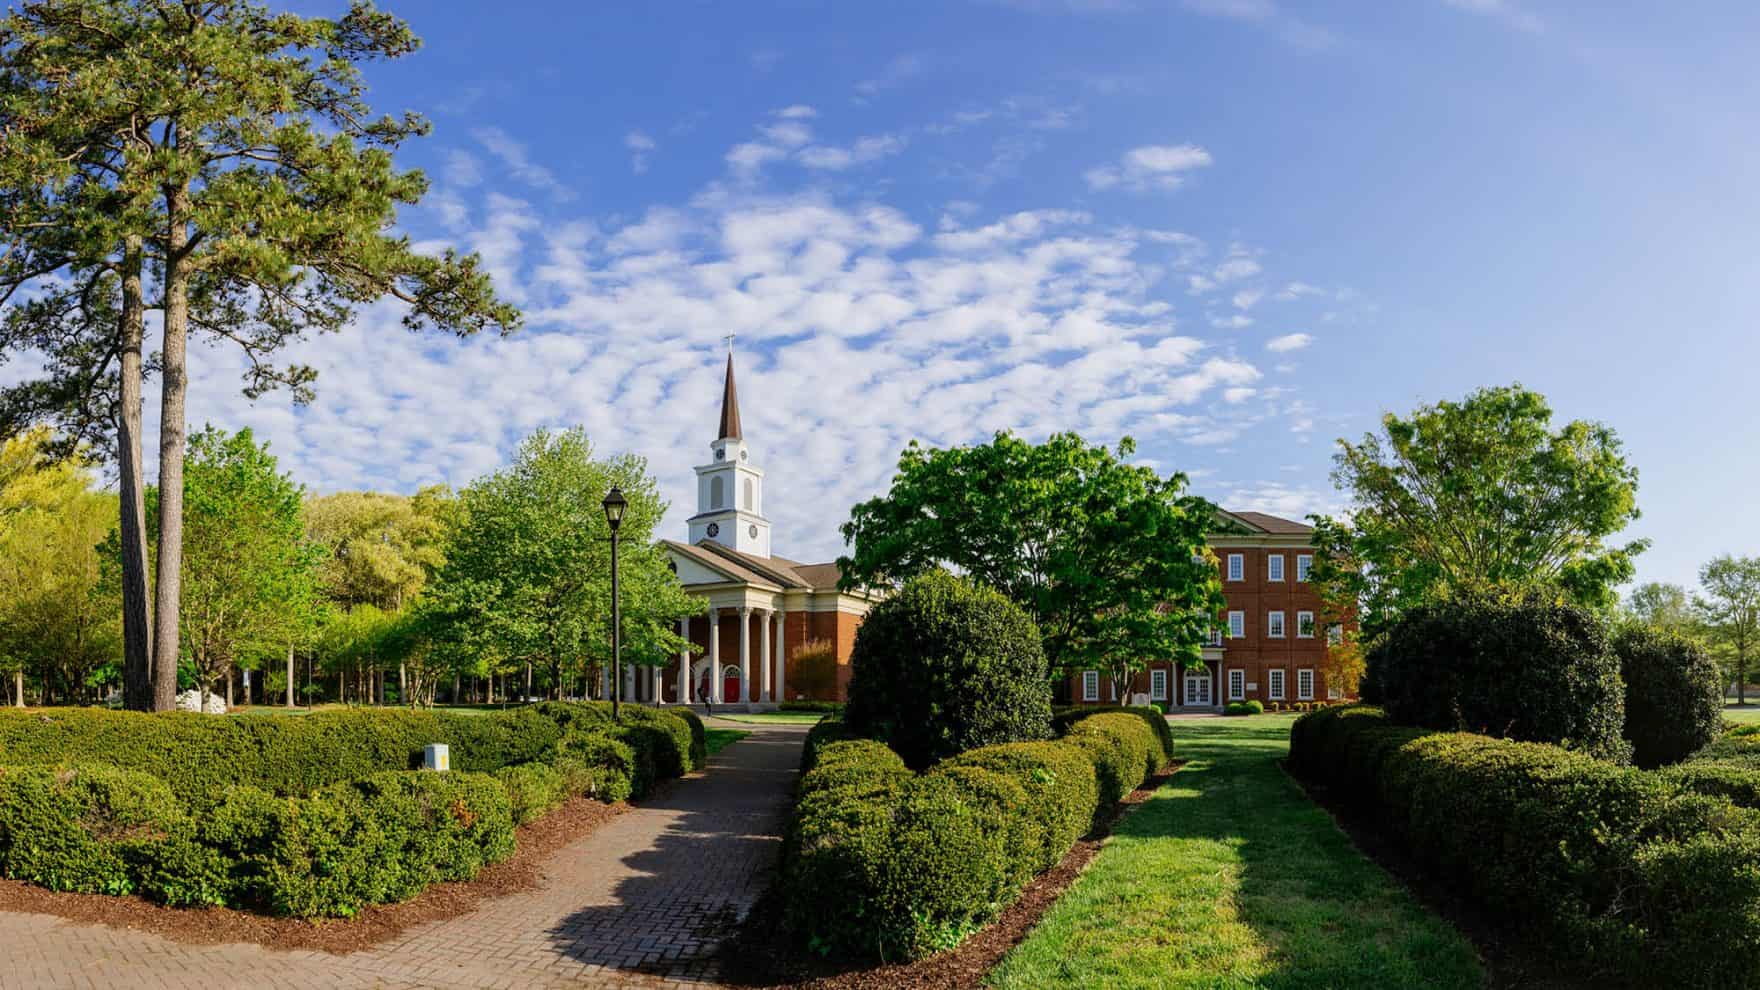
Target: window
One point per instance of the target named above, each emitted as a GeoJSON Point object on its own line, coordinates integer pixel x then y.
{"type": "Point", "coordinates": [749, 487]}
{"type": "Point", "coordinates": [1274, 567]}
{"type": "Point", "coordinates": [1332, 693]}
{"type": "Point", "coordinates": [1304, 564]}
{"type": "Point", "coordinates": [1237, 625]}
{"type": "Point", "coordinates": [1274, 680]}
{"type": "Point", "coordinates": [717, 492]}
{"type": "Point", "coordinates": [1237, 685]}
{"type": "Point", "coordinates": [1090, 685]}
{"type": "Point", "coordinates": [1304, 685]}
{"type": "Point", "coordinates": [1334, 634]}
{"type": "Point", "coordinates": [1304, 625]}
{"type": "Point", "coordinates": [1237, 567]}
{"type": "Point", "coordinates": [1157, 685]}
{"type": "Point", "coordinates": [1274, 625]}
{"type": "Point", "coordinates": [1215, 637]}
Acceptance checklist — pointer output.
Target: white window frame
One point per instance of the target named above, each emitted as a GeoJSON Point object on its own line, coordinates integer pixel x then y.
{"type": "Point", "coordinates": [1237, 620]}
{"type": "Point", "coordinates": [1237, 567]}
{"type": "Point", "coordinates": [1274, 567]}
{"type": "Point", "coordinates": [1090, 685]}
{"type": "Point", "coordinates": [1274, 684]}
{"type": "Point", "coordinates": [1333, 694]}
{"type": "Point", "coordinates": [1158, 685]}
{"type": "Point", "coordinates": [1307, 619]}
{"type": "Point", "coordinates": [1274, 627]}
{"type": "Point", "coordinates": [1305, 684]}
{"type": "Point", "coordinates": [1237, 684]}
{"type": "Point", "coordinates": [1334, 635]}
{"type": "Point", "coordinates": [1304, 566]}
{"type": "Point", "coordinates": [1216, 636]}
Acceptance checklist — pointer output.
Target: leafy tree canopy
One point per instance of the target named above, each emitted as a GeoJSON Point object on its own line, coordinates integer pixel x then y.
{"type": "Point", "coordinates": [1664, 607]}
{"type": "Point", "coordinates": [1730, 608]}
{"type": "Point", "coordinates": [1475, 495]}
{"type": "Point", "coordinates": [1107, 557]}
{"type": "Point", "coordinates": [383, 549]}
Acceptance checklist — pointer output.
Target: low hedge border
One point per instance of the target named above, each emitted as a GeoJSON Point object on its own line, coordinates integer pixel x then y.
{"type": "Point", "coordinates": [322, 815]}
{"type": "Point", "coordinates": [880, 862]}
{"type": "Point", "coordinates": [1619, 872]}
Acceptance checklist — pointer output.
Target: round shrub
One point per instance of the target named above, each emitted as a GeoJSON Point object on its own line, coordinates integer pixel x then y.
{"type": "Point", "coordinates": [1061, 787]}
{"type": "Point", "coordinates": [1125, 752]}
{"type": "Point", "coordinates": [82, 828]}
{"type": "Point", "coordinates": [1674, 695]}
{"type": "Point", "coordinates": [533, 789]}
{"type": "Point", "coordinates": [1528, 668]}
{"type": "Point", "coordinates": [610, 763]}
{"type": "Point", "coordinates": [823, 733]}
{"type": "Point", "coordinates": [1005, 802]}
{"type": "Point", "coordinates": [944, 666]}
{"type": "Point", "coordinates": [1244, 708]}
{"type": "Point", "coordinates": [945, 873]}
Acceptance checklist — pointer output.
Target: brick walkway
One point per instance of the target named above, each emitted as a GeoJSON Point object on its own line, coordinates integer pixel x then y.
{"type": "Point", "coordinates": [641, 902]}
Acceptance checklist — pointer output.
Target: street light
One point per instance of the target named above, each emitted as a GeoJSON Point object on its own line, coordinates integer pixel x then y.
{"type": "Point", "coordinates": [614, 505]}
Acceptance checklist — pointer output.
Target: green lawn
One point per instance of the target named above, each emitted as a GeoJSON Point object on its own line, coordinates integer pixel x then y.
{"type": "Point", "coordinates": [1230, 877]}
{"type": "Point", "coordinates": [719, 739]}
{"type": "Point", "coordinates": [1749, 714]}
{"type": "Point", "coordinates": [776, 718]}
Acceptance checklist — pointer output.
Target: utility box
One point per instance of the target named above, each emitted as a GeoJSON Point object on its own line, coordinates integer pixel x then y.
{"type": "Point", "coordinates": [436, 756]}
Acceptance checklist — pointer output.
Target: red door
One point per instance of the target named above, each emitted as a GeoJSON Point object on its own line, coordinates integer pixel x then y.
{"type": "Point", "coordinates": [730, 683]}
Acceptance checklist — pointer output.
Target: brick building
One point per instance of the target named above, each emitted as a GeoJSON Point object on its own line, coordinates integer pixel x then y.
{"type": "Point", "coordinates": [762, 607]}
{"type": "Point", "coordinates": [1269, 644]}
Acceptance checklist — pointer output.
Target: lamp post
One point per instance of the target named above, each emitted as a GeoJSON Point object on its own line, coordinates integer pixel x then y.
{"type": "Point", "coordinates": [614, 505]}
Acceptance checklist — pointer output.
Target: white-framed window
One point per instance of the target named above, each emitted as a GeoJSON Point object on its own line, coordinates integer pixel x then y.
{"type": "Point", "coordinates": [1090, 685]}
{"type": "Point", "coordinates": [1157, 685]}
{"type": "Point", "coordinates": [1274, 567]}
{"type": "Point", "coordinates": [1237, 625]}
{"type": "Point", "coordinates": [1334, 634]}
{"type": "Point", "coordinates": [1274, 684]}
{"type": "Point", "coordinates": [1216, 637]}
{"type": "Point", "coordinates": [1304, 564]}
{"type": "Point", "coordinates": [1304, 685]}
{"type": "Point", "coordinates": [1274, 625]}
{"type": "Point", "coordinates": [1237, 685]}
{"type": "Point", "coordinates": [1332, 693]}
{"type": "Point", "coordinates": [1237, 567]}
{"type": "Point", "coordinates": [1304, 625]}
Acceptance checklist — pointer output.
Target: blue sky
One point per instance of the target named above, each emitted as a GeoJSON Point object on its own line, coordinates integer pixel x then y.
{"type": "Point", "coordinates": [1235, 229]}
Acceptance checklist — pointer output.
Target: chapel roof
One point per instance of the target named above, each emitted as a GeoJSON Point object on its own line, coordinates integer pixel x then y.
{"type": "Point", "coordinates": [1264, 522]}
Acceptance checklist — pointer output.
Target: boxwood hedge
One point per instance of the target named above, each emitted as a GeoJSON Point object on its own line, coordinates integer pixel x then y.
{"type": "Point", "coordinates": [1619, 872]}
{"type": "Point", "coordinates": [880, 862]}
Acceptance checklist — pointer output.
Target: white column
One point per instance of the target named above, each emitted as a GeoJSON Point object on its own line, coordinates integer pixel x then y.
{"type": "Point", "coordinates": [745, 653]}
{"type": "Point", "coordinates": [715, 690]}
{"type": "Point", "coordinates": [684, 663]}
{"type": "Point", "coordinates": [764, 654]}
{"type": "Point", "coordinates": [781, 661]}
{"type": "Point", "coordinates": [657, 685]}
{"type": "Point", "coordinates": [629, 682]}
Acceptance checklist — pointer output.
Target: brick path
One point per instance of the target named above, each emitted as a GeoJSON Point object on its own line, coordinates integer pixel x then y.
{"type": "Point", "coordinates": [640, 902]}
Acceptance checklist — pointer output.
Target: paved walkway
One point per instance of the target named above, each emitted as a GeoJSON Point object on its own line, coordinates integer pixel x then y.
{"type": "Point", "coordinates": [642, 901]}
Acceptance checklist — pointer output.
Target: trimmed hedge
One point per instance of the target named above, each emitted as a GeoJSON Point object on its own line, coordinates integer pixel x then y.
{"type": "Point", "coordinates": [823, 733]}
{"type": "Point", "coordinates": [1151, 716]}
{"type": "Point", "coordinates": [880, 862]}
{"type": "Point", "coordinates": [84, 828]}
{"type": "Point", "coordinates": [828, 707]}
{"type": "Point", "coordinates": [1253, 707]}
{"type": "Point", "coordinates": [1619, 872]}
{"type": "Point", "coordinates": [1674, 695]}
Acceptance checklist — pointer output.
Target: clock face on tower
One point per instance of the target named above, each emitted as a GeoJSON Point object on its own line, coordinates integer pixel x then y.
{"type": "Point", "coordinates": [752, 531]}
{"type": "Point", "coordinates": [714, 530]}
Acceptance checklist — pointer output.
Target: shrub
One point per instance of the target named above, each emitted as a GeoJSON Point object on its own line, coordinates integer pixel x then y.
{"type": "Point", "coordinates": [828, 707]}
{"type": "Point", "coordinates": [836, 841]}
{"type": "Point", "coordinates": [1674, 695]}
{"type": "Point", "coordinates": [812, 670]}
{"type": "Point", "coordinates": [1124, 751]}
{"type": "Point", "coordinates": [1061, 787]}
{"type": "Point", "coordinates": [80, 828]}
{"type": "Point", "coordinates": [1157, 723]}
{"type": "Point", "coordinates": [1005, 803]}
{"type": "Point", "coordinates": [533, 790]}
{"type": "Point", "coordinates": [1244, 708]}
{"type": "Point", "coordinates": [1526, 668]}
{"type": "Point", "coordinates": [946, 873]}
{"type": "Point", "coordinates": [1620, 872]}
{"type": "Point", "coordinates": [607, 766]}
{"type": "Point", "coordinates": [944, 666]}
{"type": "Point", "coordinates": [823, 733]}
{"type": "Point", "coordinates": [1733, 779]}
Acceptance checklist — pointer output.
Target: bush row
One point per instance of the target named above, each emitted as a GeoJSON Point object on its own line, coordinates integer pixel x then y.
{"type": "Point", "coordinates": [881, 862]}
{"type": "Point", "coordinates": [1619, 872]}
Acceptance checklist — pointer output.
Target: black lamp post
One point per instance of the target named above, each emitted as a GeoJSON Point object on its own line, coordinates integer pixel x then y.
{"type": "Point", "coordinates": [614, 505]}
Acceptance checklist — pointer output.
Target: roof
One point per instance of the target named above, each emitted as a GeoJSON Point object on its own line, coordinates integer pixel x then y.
{"type": "Point", "coordinates": [754, 569]}
{"type": "Point", "coordinates": [1264, 522]}
{"type": "Point", "coordinates": [729, 406]}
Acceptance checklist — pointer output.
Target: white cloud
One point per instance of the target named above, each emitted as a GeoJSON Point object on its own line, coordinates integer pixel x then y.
{"type": "Point", "coordinates": [1154, 166]}
{"type": "Point", "coordinates": [1508, 13]}
{"type": "Point", "coordinates": [1288, 342]}
{"type": "Point", "coordinates": [517, 163]}
{"type": "Point", "coordinates": [865, 150]}
{"type": "Point", "coordinates": [798, 111]}
{"type": "Point", "coordinates": [463, 169]}
{"type": "Point", "coordinates": [1248, 298]}
{"type": "Point", "coordinates": [899, 70]}
{"type": "Point", "coordinates": [1266, 14]}
{"type": "Point", "coordinates": [640, 146]}
{"type": "Point", "coordinates": [1298, 290]}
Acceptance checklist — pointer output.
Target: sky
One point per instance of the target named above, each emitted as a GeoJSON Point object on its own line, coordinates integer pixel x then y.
{"type": "Point", "coordinates": [1235, 230]}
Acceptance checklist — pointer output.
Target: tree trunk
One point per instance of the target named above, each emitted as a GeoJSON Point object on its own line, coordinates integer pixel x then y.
{"type": "Point", "coordinates": [402, 685]}
{"type": "Point", "coordinates": [290, 675]}
{"type": "Point", "coordinates": [18, 688]}
{"type": "Point", "coordinates": [174, 382]}
{"type": "Point", "coordinates": [528, 694]}
{"type": "Point", "coordinates": [229, 687]}
{"type": "Point", "coordinates": [137, 634]}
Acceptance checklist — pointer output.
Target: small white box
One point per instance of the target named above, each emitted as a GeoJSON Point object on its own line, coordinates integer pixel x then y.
{"type": "Point", "coordinates": [436, 756]}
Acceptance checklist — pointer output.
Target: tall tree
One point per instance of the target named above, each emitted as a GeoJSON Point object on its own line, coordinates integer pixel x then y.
{"type": "Point", "coordinates": [1107, 557]}
{"type": "Point", "coordinates": [1664, 606]}
{"type": "Point", "coordinates": [527, 577]}
{"type": "Point", "coordinates": [1483, 493]}
{"type": "Point", "coordinates": [385, 548]}
{"type": "Point", "coordinates": [218, 162]}
{"type": "Point", "coordinates": [1730, 605]}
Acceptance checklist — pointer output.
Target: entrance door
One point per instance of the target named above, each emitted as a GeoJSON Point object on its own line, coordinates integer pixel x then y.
{"type": "Point", "coordinates": [730, 683]}
{"type": "Point", "coordinates": [1198, 688]}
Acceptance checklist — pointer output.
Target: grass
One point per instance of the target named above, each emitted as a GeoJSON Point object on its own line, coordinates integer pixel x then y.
{"type": "Point", "coordinates": [717, 740]}
{"type": "Point", "coordinates": [1230, 877]}
{"type": "Point", "coordinates": [775, 718]}
{"type": "Point", "coordinates": [1748, 713]}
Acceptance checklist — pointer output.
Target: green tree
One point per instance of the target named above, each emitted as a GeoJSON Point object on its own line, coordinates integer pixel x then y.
{"type": "Point", "coordinates": [527, 578]}
{"type": "Point", "coordinates": [218, 162]}
{"type": "Point", "coordinates": [1730, 605]}
{"type": "Point", "coordinates": [1664, 607]}
{"type": "Point", "coordinates": [1476, 495]}
{"type": "Point", "coordinates": [249, 571]}
{"type": "Point", "coordinates": [1108, 558]}
{"type": "Point", "coordinates": [384, 548]}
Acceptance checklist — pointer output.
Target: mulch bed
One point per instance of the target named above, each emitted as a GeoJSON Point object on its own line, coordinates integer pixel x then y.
{"type": "Point", "coordinates": [756, 958]}
{"type": "Point", "coordinates": [375, 924]}
{"type": "Point", "coordinates": [1509, 962]}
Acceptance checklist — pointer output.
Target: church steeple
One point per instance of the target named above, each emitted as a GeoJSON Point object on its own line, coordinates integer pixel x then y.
{"type": "Point", "coordinates": [729, 405]}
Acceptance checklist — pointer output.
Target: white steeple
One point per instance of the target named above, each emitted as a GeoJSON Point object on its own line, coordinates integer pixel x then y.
{"type": "Point", "coordinates": [730, 491]}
